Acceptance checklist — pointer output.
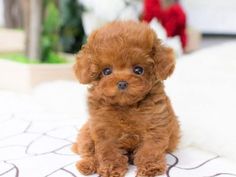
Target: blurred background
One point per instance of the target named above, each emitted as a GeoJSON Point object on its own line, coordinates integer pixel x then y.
{"type": "Point", "coordinates": [36, 32]}
{"type": "Point", "coordinates": [42, 29]}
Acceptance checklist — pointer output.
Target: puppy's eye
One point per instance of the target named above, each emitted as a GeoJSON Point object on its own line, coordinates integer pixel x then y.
{"type": "Point", "coordinates": [106, 71]}
{"type": "Point", "coordinates": [138, 70]}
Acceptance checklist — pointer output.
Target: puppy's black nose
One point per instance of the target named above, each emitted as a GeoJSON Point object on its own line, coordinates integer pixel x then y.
{"type": "Point", "coordinates": [122, 85]}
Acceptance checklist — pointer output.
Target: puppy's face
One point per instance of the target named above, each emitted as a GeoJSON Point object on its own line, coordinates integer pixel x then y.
{"type": "Point", "coordinates": [122, 61]}
{"type": "Point", "coordinates": [125, 77]}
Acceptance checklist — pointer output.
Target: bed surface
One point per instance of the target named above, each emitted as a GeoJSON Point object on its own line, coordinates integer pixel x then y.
{"type": "Point", "coordinates": [41, 148]}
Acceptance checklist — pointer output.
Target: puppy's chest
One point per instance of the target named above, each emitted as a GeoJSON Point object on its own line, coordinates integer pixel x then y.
{"type": "Point", "coordinates": [130, 131]}
{"type": "Point", "coordinates": [131, 123]}
{"type": "Point", "coordinates": [131, 119]}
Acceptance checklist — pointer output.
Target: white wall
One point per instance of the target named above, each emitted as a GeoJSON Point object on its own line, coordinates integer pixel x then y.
{"type": "Point", "coordinates": [212, 16]}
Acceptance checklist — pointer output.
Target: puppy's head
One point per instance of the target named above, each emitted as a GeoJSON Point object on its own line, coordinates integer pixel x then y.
{"type": "Point", "coordinates": [122, 61]}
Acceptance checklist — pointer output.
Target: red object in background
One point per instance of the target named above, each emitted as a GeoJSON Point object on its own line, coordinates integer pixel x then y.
{"type": "Point", "coordinates": [172, 18]}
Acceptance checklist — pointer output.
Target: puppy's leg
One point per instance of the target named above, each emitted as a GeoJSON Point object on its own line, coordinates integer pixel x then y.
{"type": "Point", "coordinates": [150, 157]}
{"type": "Point", "coordinates": [112, 163]}
{"type": "Point", "coordinates": [85, 148]}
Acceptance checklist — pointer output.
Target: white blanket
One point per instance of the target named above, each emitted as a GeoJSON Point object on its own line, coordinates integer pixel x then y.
{"type": "Point", "coordinates": [203, 93]}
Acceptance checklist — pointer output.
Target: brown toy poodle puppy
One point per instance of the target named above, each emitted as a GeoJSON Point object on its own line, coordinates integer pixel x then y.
{"type": "Point", "coordinates": [131, 118]}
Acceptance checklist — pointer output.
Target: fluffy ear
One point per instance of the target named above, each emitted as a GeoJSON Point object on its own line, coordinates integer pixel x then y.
{"type": "Point", "coordinates": [164, 59]}
{"type": "Point", "coordinates": [85, 70]}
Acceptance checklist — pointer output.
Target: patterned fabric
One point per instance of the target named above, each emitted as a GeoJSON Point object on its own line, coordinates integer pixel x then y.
{"type": "Point", "coordinates": [38, 146]}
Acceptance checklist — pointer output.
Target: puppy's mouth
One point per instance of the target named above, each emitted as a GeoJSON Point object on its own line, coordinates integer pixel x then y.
{"type": "Point", "coordinates": [123, 100]}
{"type": "Point", "coordinates": [124, 97]}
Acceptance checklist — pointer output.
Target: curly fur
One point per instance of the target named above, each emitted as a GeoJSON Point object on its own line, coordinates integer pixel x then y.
{"type": "Point", "coordinates": [137, 125]}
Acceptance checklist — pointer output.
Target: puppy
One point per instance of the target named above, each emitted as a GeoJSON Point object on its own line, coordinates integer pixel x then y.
{"type": "Point", "coordinates": [131, 118]}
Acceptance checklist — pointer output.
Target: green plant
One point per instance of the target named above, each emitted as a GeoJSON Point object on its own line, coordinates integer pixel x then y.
{"type": "Point", "coordinates": [71, 30]}
{"type": "Point", "coordinates": [50, 44]}
{"type": "Point", "coordinates": [62, 30]}
{"type": "Point", "coordinates": [18, 57]}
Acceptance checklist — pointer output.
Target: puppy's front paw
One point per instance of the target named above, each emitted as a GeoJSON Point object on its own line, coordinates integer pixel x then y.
{"type": "Point", "coordinates": [151, 169]}
{"type": "Point", "coordinates": [115, 168]}
{"type": "Point", "coordinates": [112, 171]}
{"type": "Point", "coordinates": [87, 166]}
